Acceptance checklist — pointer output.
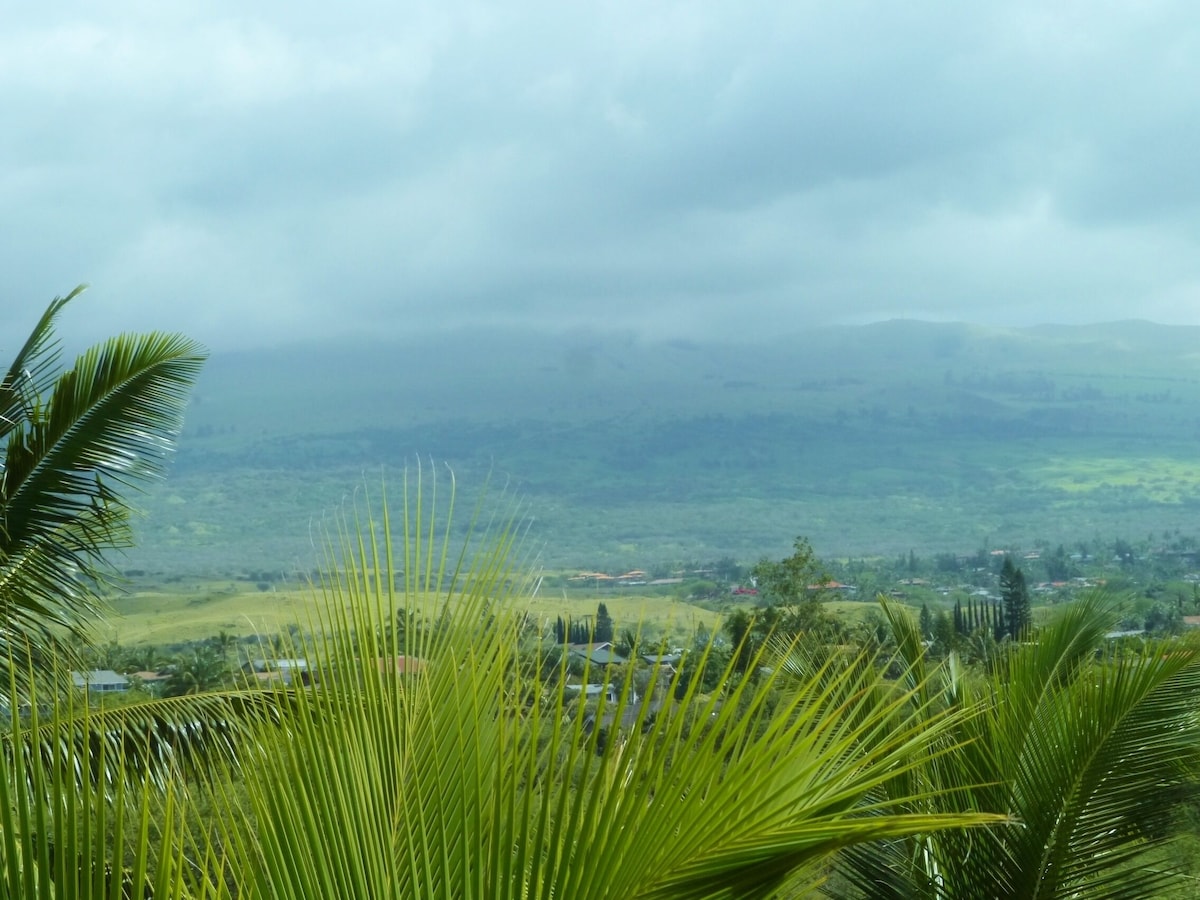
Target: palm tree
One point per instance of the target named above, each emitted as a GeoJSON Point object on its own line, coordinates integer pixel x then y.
{"type": "Point", "coordinates": [457, 771]}
{"type": "Point", "coordinates": [473, 776]}
{"type": "Point", "coordinates": [202, 669]}
{"type": "Point", "coordinates": [462, 773]}
{"type": "Point", "coordinates": [1089, 751]}
{"type": "Point", "coordinates": [75, 443]}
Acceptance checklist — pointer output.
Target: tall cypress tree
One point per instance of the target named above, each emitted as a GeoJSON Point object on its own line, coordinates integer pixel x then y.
{"type": "Point", "coordinates": [1014, 594]}
{"type": "Point", "coordinates": [604, 625]}
{"type": "Point", "coordinates": [582, 632]}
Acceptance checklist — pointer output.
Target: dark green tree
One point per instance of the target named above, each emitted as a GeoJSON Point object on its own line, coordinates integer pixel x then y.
{"type": "Point", "coordinates": [704, 662]}
{"type": "Point", "coordinates": [1014, 595]}
{"type": "Point", "coordinates": [604, 625]}
{"type": "Point", "coordinates": [224, 643]}
{"type": "Point", "coordinates": [786, 582]}
{"type": "Point", "coordinates": [1163, 618]}
{"type": "Point", "coordinates": [738, 626]}
{"type": "Point", "coordinates": [1123, 552]}
{"type": "Point", "coordinates": [944, 637]}
{"type": "Point", "coordinates": [728, 570]}
{"type": "Point", "coordinates": [631, 643]}
{"type": "Point", "coordinates": [791, 595]}
{"type": "Point", "coordinates": [926, 622]}
{"type": "Point", "coordinates": [203, 669]}
{"type": "Point", "coordinates": [1058, 564]}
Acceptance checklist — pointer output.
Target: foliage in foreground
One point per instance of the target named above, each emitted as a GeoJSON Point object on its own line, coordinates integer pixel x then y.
{"type": "Point", "coordinates": [75, 442]}
{"type": "Point", "coordinates": [1090, 750]}
{"type": "Point", "coordinates": [467, 773]}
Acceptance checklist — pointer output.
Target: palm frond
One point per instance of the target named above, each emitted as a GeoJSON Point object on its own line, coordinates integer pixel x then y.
{"type": "Point", "coordinates": [1089, 752]}
{"type": "Point", "coordinates": [192, 735]}
{"type": "Point", "coordinates": [107, 424]}
{"type": "Point", "coordinates": [475, 776]}
{"type": "Point", "coordinates": [31, 374]}
{"type": "Point", "coordinates": [66, 836]}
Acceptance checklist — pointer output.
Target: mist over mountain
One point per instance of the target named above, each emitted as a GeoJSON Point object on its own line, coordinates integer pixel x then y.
{"type": "Point", "coordinates": [869, 439]}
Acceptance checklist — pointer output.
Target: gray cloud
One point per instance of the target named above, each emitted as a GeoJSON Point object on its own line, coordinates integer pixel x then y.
{"type": "Point", "coordinates": [256, 174]}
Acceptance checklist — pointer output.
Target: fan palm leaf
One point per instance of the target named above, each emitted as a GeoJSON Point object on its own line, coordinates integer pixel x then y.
{"type": "Point", "coordinates": [475, 775]}
{"type": "Point", "coordinates": [461, 771]}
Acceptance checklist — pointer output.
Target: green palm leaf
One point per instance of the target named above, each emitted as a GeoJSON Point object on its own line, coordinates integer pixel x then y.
{"type": "Point", "coordinates": [476, 778]}
{"type": "Point", "coordinates": [31, 374]}
{"type": "Point", "coordinates": [75, 441]}
{"type": "Point", "coordinates": [1089, 752]}
{"type": "Point", "coordinates": [106, 834]}
{"type": "Point", "coordinates": [469, 775]}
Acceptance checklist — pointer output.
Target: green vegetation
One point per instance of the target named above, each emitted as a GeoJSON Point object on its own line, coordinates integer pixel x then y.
{"type": "Point", "coordinates": [420, 729]}
{"type": "Point", "coordinates": [1090, 751]}
{"type": "Point", "coordinates": [470, 774]}
{"type": "Point", "coordinates": [860, 764]}
{"type": "Point", "coordinates": [1014, 600]}
{"type": "Point", "coordinates": [872, 441]}
{"type": "Point", "coordinates": [74, 440]}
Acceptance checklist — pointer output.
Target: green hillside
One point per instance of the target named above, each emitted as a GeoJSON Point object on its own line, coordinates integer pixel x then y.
{"type": "Point", "coordinates": [873, 439]}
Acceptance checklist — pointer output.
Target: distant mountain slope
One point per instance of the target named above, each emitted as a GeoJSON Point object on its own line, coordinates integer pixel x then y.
{"type": "Point", "coordinates": [896, 434]}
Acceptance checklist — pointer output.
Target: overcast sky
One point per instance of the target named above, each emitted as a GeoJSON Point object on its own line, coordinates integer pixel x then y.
{"type": "Point", "coordinates": [255, 172]}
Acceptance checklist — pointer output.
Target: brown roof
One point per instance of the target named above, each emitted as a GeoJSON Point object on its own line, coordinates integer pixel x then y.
{"type": "Point", "coordinates": [148, 677]}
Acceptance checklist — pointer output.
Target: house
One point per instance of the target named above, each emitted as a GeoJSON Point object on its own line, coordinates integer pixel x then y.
{"type": "Point", "coordinates": [151, 681]}
{"type": "Point", "coordinates": [662, 659]}
{"type": "Point", "coordinates": [100, 681]}
{"type": "Point", "coordinates": [600, 654]}
{"type": "Point", "coordinates": [592, 576]}
{"type": "Point", "coordinates": [609, 692]}
{"type": "Point", "coordinates": [285, 671]}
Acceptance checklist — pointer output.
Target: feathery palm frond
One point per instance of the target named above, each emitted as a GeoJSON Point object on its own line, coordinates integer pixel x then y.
{"type": "Point", "coordinates": [33, 370]}
{"type": "Point", "coordinates": [470, 774]}
{"type": "Point", "coordinates": [461, 770]}
{"type": "Point", "coordinates": [1089, 752]}
{"type": "Point", "coordinates": [74, 820]}
{"type": "Point", "coordinates": [75, 440]}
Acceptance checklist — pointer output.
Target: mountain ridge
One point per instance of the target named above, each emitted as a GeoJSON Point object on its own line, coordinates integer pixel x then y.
{"type": "Point", "coordinates": [865, 438]}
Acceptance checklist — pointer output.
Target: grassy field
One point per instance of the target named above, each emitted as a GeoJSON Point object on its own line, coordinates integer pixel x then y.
{"type": "Point", "coordinates": [196, 610]}
{"type": "Point", "coordinates": [171, 617]}
{"type": "Point", "coordinates": [200, 610]}
{"type": "Point", "coordinates": [1160, 479]}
